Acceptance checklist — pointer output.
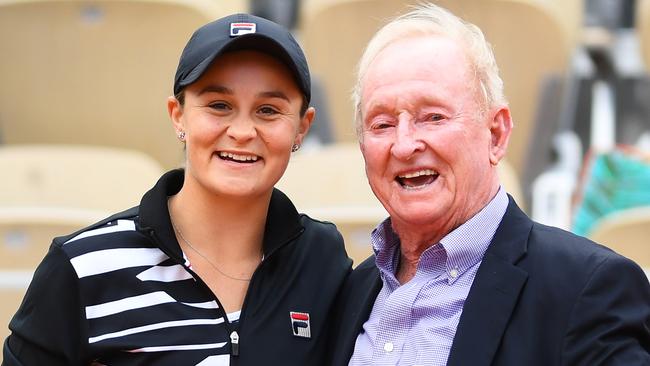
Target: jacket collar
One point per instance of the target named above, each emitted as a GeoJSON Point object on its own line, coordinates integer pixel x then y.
{"type": "Point", "coordinates": [282, 221]}
{"type": "Point", "coordinates": [494, 293]}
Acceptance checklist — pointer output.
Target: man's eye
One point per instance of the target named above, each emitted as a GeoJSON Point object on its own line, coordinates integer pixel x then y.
{"type": "Point", "coordinates": [382, 125]}
{"type": "Point", "coordinates": [435, 117]}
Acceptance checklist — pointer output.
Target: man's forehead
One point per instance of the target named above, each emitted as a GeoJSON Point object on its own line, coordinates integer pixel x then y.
{"type": "Point", "coordinates": [415, 54]}
{"type": "Point", "coordinates": [423, 59]}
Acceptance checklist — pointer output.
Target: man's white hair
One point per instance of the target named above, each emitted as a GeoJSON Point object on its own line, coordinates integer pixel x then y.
{"type": "Point", "coordinates": [432, 20]}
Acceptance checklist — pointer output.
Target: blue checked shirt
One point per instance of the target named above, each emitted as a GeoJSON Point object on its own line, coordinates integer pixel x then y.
{"type": "Point", "coordinates": [415, 323]}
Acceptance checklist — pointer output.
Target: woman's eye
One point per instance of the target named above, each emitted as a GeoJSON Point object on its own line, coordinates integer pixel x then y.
{"type": "Point", "coordinates": [266, 110]}
{"type": "Point", "coordinates": [220, 106]}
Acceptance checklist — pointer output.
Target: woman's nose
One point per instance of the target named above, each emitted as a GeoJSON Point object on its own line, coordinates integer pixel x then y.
{"type": "Point", "coordinates": [241, 128]}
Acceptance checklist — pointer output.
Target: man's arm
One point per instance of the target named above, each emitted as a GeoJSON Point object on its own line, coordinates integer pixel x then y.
{"type": "Point", "coordinates": [610, 323]}
{"type": "Point", "coordinates": [47, 329]}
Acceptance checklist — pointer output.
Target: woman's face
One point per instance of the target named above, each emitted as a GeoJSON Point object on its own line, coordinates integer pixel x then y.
{"type": "Point", "coordinates": [240, 119]}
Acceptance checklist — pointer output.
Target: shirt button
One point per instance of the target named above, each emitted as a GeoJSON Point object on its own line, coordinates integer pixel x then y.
{"type": "Point", "coordinates": [388, 347]}
{"type": "Point", "coordinates": [453, 273]}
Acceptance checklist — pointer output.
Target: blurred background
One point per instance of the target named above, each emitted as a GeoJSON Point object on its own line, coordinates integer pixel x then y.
{"type": "Point", "coordinates": [84, 130]}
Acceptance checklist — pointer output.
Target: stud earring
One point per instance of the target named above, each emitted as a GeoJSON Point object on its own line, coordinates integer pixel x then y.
{"type": "Point", "coordinates": [181, 135]}
{"type": "Point", "coordinates": [295, 147]}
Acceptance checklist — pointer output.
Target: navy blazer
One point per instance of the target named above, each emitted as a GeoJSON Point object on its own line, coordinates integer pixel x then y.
{"type": "Point", "coordinates": [541, 296]}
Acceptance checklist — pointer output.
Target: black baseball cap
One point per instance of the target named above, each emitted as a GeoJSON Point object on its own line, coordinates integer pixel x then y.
{"type": "Point", "coordinates": [241, 32]}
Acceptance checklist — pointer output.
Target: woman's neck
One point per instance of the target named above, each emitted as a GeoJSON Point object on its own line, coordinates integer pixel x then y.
{"type": "Point", "coordinates": [231, 228]}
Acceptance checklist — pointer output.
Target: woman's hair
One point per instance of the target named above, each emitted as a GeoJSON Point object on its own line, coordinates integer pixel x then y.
{"type": "Point", "coordinates": [432, 20]}
{"type": "Point", "coordinates": [180, 97]}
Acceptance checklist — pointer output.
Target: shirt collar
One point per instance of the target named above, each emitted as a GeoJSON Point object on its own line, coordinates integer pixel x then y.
{"type": "Point", "coordinates": [385, 243]}
{"type": "Point", "coordinates": [464, 246]}
{"type": "Point", "coordinates": [467, 244]}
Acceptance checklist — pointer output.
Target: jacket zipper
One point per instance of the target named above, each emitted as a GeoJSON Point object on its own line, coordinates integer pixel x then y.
{"type": "Point", "coordinates": [234, 335]}
{"type": "Point", "coordinates": [248, 291]}
{"type": "Point", "coordinates": [234, 343]}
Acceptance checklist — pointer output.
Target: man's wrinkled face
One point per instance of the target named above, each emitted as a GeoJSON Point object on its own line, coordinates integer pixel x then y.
{"type": "Point", "coordinates": [424, 136]}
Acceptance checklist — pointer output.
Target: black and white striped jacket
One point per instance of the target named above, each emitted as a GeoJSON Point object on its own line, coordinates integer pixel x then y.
{"type": "Point", "coordinates": [120, 293]}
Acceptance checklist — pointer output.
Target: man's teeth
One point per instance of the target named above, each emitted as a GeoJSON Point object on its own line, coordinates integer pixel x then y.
{"type": "Point", "coordinates": [238, 157]}
{"type": "Point", "coordinates": [418, 174]}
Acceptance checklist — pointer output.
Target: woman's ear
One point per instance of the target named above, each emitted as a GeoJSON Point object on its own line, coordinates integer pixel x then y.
{"type": "Point", "coordinates": [175, 110]}
{"type": "Point", "coordinates": [304, 125]}
{"type": "Point", "coordinates": [500, 129]}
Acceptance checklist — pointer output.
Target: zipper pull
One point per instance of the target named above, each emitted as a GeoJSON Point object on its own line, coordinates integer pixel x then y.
{"type": "Point", "coordinates": [234, 343]}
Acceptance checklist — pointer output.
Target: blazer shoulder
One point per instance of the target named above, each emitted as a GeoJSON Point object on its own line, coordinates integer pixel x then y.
{"type": "Point", "coordinates": [555, 242]}
{"type": "Point", "coordinates": [568, 259]}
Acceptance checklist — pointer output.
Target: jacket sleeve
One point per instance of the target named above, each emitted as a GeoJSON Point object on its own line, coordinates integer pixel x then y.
{"type": "Point", "coordinates": [48, 327]}
{"type": "Point", "coordinates": [610, 323]}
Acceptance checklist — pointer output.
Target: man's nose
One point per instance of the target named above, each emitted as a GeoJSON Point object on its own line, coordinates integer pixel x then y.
{"type": "Point", "coordinates": [407, 140]}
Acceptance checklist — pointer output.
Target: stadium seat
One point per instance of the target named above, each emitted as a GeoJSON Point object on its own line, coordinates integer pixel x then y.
{"type": "Point", "coordinates": [626, 232]}
{"type": "Point", "coordinates": [26, 232]}
{"type": "Point", "coordinates": [511, 183]}
{"type": "Point", "coordinates": [98, 179]}
{"type": "Point", "coordinates": [96, 72]}
{"type": "Point", "coordinates": [529, 39]}
{"type": "Point", "coordinates": [570, 14]}
{"type": "Point", "coordinates": [25, 236]}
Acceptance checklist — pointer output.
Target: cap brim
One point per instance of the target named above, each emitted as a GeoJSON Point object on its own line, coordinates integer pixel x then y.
{"type": "Point", "coordinates": [253, 41]}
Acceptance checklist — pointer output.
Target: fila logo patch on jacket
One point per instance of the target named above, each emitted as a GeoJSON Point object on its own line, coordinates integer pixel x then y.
{"type": "Point", "coordinates": [300, 324]}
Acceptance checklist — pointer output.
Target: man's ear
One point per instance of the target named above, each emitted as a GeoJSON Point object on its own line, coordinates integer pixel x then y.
{"type": "Point", "coordinates": [175, 110]}
{"type": "Point", "coordinates": [500, 129]}
{"type": "Point", "coordinates": [305, 123]}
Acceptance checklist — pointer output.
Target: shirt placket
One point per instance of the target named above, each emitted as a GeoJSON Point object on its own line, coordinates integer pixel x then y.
{"type": "Point", "coordinates": [394, 324]}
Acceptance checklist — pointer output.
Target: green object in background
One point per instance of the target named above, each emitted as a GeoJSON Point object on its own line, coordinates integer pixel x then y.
{"type": "Point", "coordinates": [614, 181]}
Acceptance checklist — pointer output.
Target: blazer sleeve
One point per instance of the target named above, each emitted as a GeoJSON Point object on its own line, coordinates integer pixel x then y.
{"type": "Point", "coordinates": [48, 326]}
{"type": "Point", "coordinates": [610, 322]}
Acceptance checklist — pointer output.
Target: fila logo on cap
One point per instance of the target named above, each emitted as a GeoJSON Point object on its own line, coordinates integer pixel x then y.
{"type": "Point", "coordinates": [238, 29]}
{"type": "Point", "coordinates": [300, 324]}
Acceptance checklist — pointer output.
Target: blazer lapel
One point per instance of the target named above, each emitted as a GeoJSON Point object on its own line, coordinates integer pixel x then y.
{"type": "Point", "coordinates": [358, 298]}
{"type": "Point", "coordinates": [494, 293]}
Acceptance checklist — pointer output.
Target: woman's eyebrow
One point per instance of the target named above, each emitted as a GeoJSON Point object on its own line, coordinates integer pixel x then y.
{"type": "Point", "coordinates": [216, 89]}
{"type": "Point", "coordinates": [273, 94]}
{"type": "Point", "coordinates": [225, 90]}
